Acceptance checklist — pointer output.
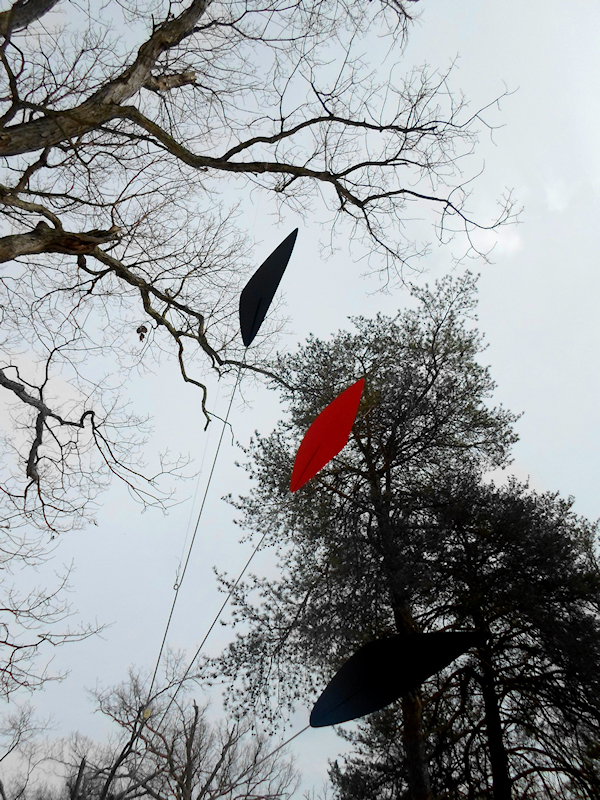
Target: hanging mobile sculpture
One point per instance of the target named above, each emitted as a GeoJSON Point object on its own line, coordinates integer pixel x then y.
{"type": "Point", "coordinates": [260, 289]}
{"type": "Point", "coordinates": [381, 671]}
{"type": "Point", "coordinates": [327, 435]}
{"type": "Point", "coordinates": [384, 670]}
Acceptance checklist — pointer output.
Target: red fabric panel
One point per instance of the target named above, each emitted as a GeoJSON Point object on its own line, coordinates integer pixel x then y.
{"type": "Point", "coordinates": [328, 434]}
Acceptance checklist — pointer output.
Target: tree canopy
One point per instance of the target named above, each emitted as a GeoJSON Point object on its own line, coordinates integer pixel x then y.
{"type": "Point", "coordinates": [129, 135]}
{"type": "Point", "coordinates": [400, 533]}
{"type": "Point", "coordinates": [523, 568]}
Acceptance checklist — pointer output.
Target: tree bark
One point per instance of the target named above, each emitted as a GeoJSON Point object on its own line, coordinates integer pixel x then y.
{"type": "Point", "coordinates": [23, 13]}
{"type": "Point", "coordinates": [413, 738]}
{"type": "Point", "coordinates": [498, 757]}
{"type": "Point", "coordinates": [413, 735]}
{"type": "Point", "coordinates": [44, 239]}
{"type": "Point", "coordinates": [105, 103]}
{"type": "Point", "coordinates": [77, 785]}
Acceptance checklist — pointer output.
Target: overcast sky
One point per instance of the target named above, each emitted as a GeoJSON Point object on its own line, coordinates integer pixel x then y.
{"type": "Point", "coordinates": [538, 309]}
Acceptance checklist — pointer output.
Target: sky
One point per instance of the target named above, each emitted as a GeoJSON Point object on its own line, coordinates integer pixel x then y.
{"type": "Point", "coordinates": [539, 303]}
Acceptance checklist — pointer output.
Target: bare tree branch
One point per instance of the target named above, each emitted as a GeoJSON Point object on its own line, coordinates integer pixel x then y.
{"type": "Point", "coordinates": [22, 13]}
{"type": "Point", "coordinates": [104, 104]}
{"type": "Point", "coordinates": [127, 167]}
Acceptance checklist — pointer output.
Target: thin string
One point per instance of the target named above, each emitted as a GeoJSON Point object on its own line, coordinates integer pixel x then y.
{"type": "Point", "coordinates": [281, 746]}
{"type": "Point", "coordinates": [142, 718]}
{"type": "Point", "coordinates": [201, 473]}
{"type": "Point", "coordinates": [181, 680]}
{"type": "Point", "coordinates": [208, 632]}
{"type": "Point", "coordinates": [180, 578]}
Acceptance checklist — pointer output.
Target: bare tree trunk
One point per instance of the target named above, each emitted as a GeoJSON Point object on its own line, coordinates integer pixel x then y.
{"type": "Point", "coordinates": [413, 735]}
{"type": "Point", "coordinates": [413, 738]}
{"type": "Point", "coordinates": [498, 756]}
{"type": "Point", "coordinates": [74, 793]}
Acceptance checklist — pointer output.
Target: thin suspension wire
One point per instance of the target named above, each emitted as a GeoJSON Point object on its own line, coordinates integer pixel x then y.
{"type": "Point", "coordinates": [137, 731]}
{"type": "Point", "coordinates": [197, 653]}
{"type": "Point", "coordinates": [184, 545]}
{"type": "Point", "coordinates": [180, 578]}
{"type": "Point", "coordinates": [281, 746]}
{"type": "Point", "coordinates": [181, 680]}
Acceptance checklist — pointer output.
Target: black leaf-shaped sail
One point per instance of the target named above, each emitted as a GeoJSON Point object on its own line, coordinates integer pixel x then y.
{"type": "Point", "coordinates": [260, 289]}
{"type": "Point", "coordinates": [384, 670]}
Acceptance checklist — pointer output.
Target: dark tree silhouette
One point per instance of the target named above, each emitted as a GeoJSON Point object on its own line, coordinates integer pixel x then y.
{"type": "Point", "coordinates": [352, 541]}
{"type": "Point", "coordinates": [521, 719]}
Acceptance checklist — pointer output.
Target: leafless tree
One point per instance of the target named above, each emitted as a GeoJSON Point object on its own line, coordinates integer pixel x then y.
{"type": "Point", "coordinates": [177, 755]}
{"type": "Point", "coordinates": [19, 727]}
{"type": "Point", "coordinates": [32, 623]}
{"type": "Point", "coordinates": [125, 129]}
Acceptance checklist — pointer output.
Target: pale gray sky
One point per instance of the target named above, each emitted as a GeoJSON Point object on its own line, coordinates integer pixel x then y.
{"type": "Point", "coordinates": [538, 310]}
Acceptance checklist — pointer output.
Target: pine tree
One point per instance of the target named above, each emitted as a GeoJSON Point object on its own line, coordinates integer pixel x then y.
{"type": "Point", "coordinates": [352, 543]}
{"type": "Point", "coordinates": [520, 719]}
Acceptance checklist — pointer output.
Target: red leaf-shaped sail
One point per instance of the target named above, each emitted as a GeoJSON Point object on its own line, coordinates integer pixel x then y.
{"type": "Point", "coordinates": [327, 435]}
{"type": "Point", "coordinates": [384, 670]}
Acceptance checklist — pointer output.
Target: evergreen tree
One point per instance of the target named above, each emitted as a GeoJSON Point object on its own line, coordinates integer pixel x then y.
{"type": "Point", "coordinates": [352, 543]}
{"type": "Point", "coordinates": [523, 715]}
